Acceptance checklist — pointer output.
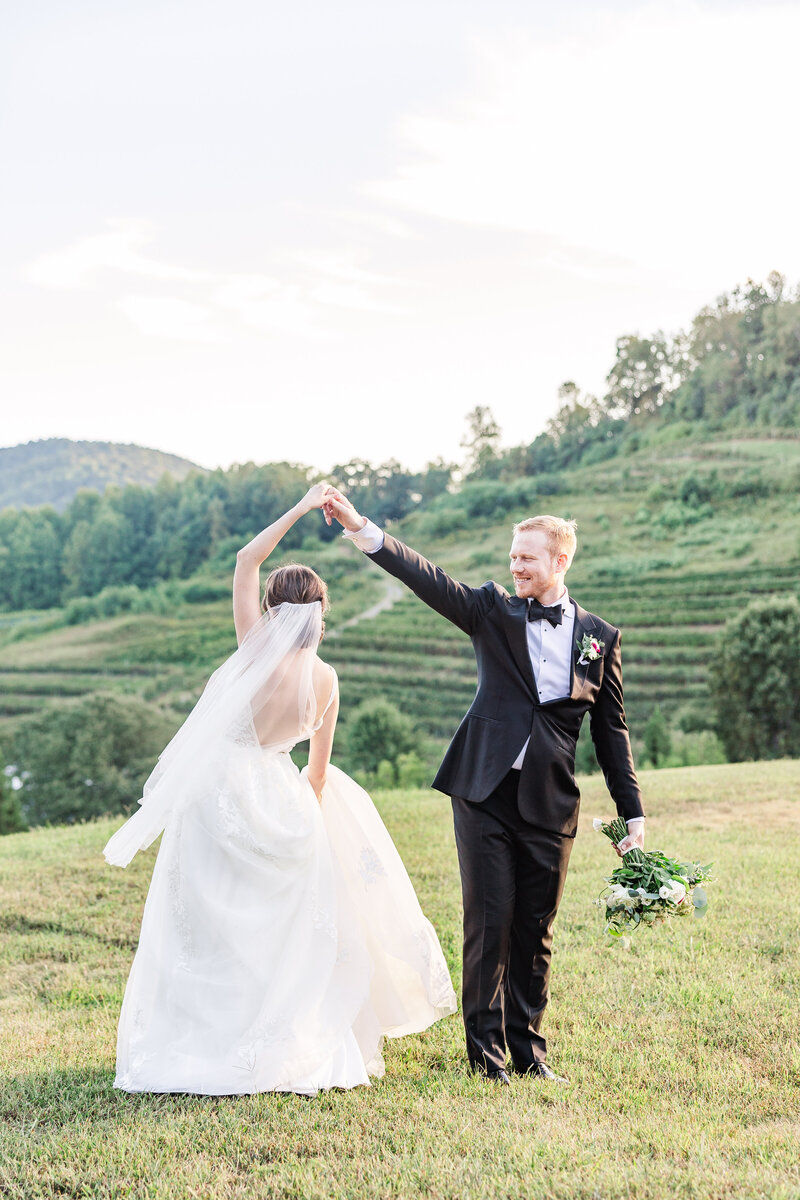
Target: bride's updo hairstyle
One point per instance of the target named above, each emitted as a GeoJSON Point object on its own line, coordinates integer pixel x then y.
{"type": "Point", "coordinates": [295, 584]}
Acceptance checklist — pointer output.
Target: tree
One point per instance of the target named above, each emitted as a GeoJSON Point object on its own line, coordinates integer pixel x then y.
{"type": "Point", "coordinates": [34, 558]}
{"type": "Point", "coordinates": [386, 492]}
{"type": "Point", "coordinates": [657, 740]}
{"type": "Point", "coordinates": [481, 440]}
{"type": "Point", "coordinates": [376, 733]}
{"type": "Point", "coordinates": [11, 817]}
{"type": "Point", "coordinates": [411, 770]}
{"type": "Point", "coordinates": [435, 479]}
{"type": "Point", "coordinates": [77, 561]}
{"type": "Point", "coordinates": [579, 421]}
{"type": "Point", "coordinates": [89, 758]}
{"type": "Point", "coordinates": [755, 681]}
{"type": "Point", "coordinates": [642, 375]}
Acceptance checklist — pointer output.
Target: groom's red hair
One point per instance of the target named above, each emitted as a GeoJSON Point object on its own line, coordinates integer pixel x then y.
{"type": "Point", "coordinates": [560, 533]}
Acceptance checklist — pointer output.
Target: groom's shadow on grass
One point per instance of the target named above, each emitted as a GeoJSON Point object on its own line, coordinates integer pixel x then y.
{"type": "Point", "coordinates": [11, 922]}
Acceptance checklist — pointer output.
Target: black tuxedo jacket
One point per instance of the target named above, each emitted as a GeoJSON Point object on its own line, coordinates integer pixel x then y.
{"type": "Point", "coordinates": [506, 709]}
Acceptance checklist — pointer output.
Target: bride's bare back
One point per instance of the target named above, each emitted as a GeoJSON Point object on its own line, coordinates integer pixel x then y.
{"type": "Point", "coordinates": [297, 706]}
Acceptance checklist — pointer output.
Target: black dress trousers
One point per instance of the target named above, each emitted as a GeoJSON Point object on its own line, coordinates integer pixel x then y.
{"type": "Point", "coordinates": [512, 879]}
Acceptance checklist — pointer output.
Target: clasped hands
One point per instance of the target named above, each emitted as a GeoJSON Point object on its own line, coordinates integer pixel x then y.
{"type": "Point", "coordinates": [333, 504]}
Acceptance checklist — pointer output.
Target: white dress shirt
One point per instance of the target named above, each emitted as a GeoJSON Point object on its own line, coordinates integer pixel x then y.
{"type": "Point", "coordinates": [550, 646]}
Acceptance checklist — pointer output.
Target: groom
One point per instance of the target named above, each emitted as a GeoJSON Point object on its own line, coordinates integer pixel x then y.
{"type": "Point", "coordinates": [543, 663]}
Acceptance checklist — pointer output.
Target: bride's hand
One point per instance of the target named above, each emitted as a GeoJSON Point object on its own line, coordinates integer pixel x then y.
{"type": "Point", "coordinates": [338, 506]}
{"type": "Point", "coordinates": [316, 497]}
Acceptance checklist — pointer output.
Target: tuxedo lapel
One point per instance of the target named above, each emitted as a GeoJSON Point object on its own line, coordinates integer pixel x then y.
{"type": "Point", "coordinates": [582, 625]}
{"type": "Point", "coordinates": [516, 626]}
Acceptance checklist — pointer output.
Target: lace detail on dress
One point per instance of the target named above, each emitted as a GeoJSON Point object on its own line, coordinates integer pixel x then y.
{"type": "Point", "coordinates": [440, 987]}
{"type": "Point", "coordinates": [321, 918]}
{"type": "Point", "coordinates": [183, 926]}
{"type": "Point", "coordinates": [370, 867]}
{"type": "Point", "coordinates": [235, 827]}
{"type": "Point", "coordinates": [241, 732]}
{"type": "Point", "coordinates": [267, 1033]}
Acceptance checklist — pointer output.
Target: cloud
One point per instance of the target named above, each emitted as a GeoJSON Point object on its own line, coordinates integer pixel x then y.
{"type": "Point", "coordinates": [83, 264]}
{"type": "Point", "coordinates": [170, 317]}
{"type": "Point", "coordinates": [261, 302]}
{"type": "Point", "coordinates": [304, 286]}
{"type": "Point", "coordinates": [662, 136]}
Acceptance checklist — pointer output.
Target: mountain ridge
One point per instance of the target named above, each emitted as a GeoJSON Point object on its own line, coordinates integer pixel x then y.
{"type": "Point", "coordinates": [50, 471]}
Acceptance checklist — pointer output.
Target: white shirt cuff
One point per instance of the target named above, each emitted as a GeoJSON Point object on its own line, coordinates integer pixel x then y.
{"type": "Point", "coordinates": [630, 820]}
{"type": "Point", "coordinates": [369, 538]}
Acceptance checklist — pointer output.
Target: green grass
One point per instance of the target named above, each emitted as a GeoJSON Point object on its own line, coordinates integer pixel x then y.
{"type": "Point", "coordinates": [683, 1051]}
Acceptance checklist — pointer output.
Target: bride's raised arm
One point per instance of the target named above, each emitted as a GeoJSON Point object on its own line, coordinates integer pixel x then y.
{"type": "Point", "coordinates": [246, 591]}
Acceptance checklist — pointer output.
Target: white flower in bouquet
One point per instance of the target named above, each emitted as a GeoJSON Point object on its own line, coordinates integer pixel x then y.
{"type": "Point", "coordinates": [674, 891]}
{"type": "Point", "coordinates": [649, 887]}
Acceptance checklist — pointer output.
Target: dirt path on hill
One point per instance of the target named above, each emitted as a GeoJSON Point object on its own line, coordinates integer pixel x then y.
{"type": "Point", "coordinates": [390, 597]}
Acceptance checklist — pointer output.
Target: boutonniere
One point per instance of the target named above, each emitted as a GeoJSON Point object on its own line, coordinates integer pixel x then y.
{"type": "Point", "coordinates": [590, 648]}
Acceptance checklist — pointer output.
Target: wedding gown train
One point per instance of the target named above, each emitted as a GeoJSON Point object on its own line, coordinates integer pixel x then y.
{"type": "Point", "coordinates": [282, 939]}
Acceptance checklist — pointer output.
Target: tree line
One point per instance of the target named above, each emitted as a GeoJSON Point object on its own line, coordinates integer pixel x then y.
{"type": "Point", "coordinates": [736, 367]}
{"type": "Point", "coordinates": [143, 536]}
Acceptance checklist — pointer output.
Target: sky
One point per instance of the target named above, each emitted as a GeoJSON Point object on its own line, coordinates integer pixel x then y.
{"type": "Point", "coordinates": [259, 231]}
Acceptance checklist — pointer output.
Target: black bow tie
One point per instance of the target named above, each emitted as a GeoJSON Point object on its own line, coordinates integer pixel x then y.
{"type": "Point", "coordinates": [539, 612]}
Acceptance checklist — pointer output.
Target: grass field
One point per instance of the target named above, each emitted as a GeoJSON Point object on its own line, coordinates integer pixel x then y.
{"type": "Point", "coordinates": [683, 1051]}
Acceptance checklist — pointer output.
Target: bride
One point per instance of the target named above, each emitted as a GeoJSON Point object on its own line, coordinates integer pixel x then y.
{"type": "Point", "coordinates": [281, 939]}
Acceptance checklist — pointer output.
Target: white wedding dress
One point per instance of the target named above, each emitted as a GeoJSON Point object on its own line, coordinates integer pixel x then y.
{"type": "Point", "coordinates": [282, 939]}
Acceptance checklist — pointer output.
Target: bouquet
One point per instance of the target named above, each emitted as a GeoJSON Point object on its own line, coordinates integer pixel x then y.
{"type": "Point", "coordinates": [649, 887]}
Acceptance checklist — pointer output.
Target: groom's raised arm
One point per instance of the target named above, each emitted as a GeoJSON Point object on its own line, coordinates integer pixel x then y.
{"type": "Point", "coordinates": [463, 605]}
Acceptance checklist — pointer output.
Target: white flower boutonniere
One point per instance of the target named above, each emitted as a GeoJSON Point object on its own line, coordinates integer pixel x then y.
{"type": "Point", "coordinates": [590, 649]}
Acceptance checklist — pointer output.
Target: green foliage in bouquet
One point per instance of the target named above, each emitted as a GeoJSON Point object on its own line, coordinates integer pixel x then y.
{"type": "Point", "coordinates": [649, 887]}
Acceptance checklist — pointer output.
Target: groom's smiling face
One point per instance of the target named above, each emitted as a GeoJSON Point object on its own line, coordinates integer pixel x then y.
{"type": "Point", "coordinates": [534, 568]}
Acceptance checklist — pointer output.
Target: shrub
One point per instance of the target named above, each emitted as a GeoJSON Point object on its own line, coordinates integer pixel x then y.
{"type": "Point", "coordinates": [114, 601]}
{"type": "Point", "coordinates": [585, 757]}
{"type": "Point", "coordinates": [442, 522]}
{"type": "Point", "coordinates": [750, 484]}
{"type": "Point", "coordinates": [696, 490]}
{"type": "Point", "coordinates": [385, 777]}
{"type": "Point", "coordinates": [11, 816]}
{"type": "Point", "coordinates": [755, 680]}
{"type": "Point", "coordinates": [205, 591]}
{"type": "Point", "coordinates": [411, 770]}
{"type": "Point", "coordinates": [377, 732]}
{"type": "Point", "coordinates": [699, 749]}
{"type": "Point", "coordinates": [87, 758]}
{"type": "Point", "coordinates": [657, 740]}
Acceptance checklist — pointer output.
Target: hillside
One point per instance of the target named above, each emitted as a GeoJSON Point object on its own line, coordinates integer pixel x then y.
{"type": "Point", "coordinates": [53, 470]}
{"type": "Point", "coordinates": [672, 541]}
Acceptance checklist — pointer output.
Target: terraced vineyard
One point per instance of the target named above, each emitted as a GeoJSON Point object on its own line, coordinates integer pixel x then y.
{"type": "Point", "coordinates": [670, 624]}
{"type": "Point", "coordinates": [165, 660]}
{"type": "Point", "coordinates": [670, 585]}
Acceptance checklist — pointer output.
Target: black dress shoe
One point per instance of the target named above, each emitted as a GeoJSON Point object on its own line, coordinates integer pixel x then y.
{"type": "Point", "coordinates": [499, 1077]}
{"type": "Point", "coordinates": [540, 1070]}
